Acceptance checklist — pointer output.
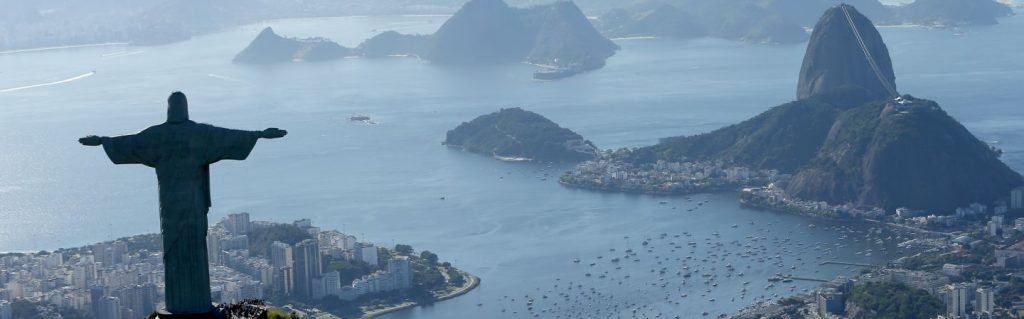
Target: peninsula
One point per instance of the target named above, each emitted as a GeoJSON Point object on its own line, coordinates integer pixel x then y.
{"type": "Point", "coordinates": [850, 141]}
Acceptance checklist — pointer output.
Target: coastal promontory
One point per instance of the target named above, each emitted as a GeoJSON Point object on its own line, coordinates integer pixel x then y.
{"type": "Point", "coordinates": [515, 134]}
{"type": "Point", "coordinates": [850, 139]}
{"type": "Point", "coordinates": [270, 48]}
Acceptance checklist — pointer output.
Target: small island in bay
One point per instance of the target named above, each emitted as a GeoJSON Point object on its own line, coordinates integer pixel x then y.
{"type": "Point", "coordinates": [515, 134]}
{"type": "Point", "coordinates": [851, 145]}
{"type": "Point", "coordinates": [270, 48]}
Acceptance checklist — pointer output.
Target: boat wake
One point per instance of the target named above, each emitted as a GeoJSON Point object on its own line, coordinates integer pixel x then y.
{"type": "Point", "coordinates": [76, 78]}
{"type": "Point", "coordinates": [122, 54]}
{"type": "Point", "coordinates": [64, 47]}
{"type": "Point", "coordinates": [226, 78]}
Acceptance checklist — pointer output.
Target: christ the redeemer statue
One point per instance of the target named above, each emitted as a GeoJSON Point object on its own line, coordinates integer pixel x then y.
{"type": "Point", "coordinates": [182, 151]}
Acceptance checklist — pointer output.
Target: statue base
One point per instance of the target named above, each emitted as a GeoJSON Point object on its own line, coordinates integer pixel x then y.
{"type": "Point", "coordinates": [214, 313]}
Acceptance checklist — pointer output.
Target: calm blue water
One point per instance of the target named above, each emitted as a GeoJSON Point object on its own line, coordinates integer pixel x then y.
{"type": "Point", "coordinates": [501, 221]}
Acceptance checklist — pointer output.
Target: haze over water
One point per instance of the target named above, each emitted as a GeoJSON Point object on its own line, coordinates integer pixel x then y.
{"type": "Point", "coordinates": [383, 183]}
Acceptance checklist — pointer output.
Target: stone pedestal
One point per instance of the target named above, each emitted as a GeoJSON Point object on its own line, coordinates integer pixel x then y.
{"type": "Point", "coordinates": [214, 313]}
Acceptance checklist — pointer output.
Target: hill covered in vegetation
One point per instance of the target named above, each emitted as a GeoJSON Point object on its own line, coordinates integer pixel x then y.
{"type": "Point", "coordinates": [849, 140]}
{"type": "Point", "coordinates": [517, 134]}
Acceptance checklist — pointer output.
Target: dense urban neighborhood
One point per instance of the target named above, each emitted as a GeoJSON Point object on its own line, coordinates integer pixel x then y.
{"type": "Point", "coordinates": [297, 268]}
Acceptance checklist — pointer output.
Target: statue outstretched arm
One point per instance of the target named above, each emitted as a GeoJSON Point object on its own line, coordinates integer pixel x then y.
{"type": "Point", "coordinates": [272, 132]}
{"type": "Point", "coordinates": [91, 140]}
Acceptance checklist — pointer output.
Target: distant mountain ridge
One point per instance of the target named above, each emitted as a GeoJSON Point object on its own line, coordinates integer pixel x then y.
{"type": "Point", "coordinates": [489, 31]}
{"type": "Point", "coordinates": [269, 48]}
{"type": "Point", "coordinates": [846, 140]}
{"type": "Point", "coordinates": [780, 21]}
{"type": "Point", "coordinates": [556, 36]}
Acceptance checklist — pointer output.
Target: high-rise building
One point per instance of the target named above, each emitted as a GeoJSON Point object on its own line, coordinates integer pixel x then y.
{"type": "Point", "coordinates": [399, 268]}
{"type": "Point", "coordinates": [5, 310]}
{"type": "Point", "coordinates": [985, 301]}
{"type": "Point", "coordinates": [368, 254]}
{"type": "Point", "coordinates": [332, 283]}
{"type": "Point", "coordinates": [55, 259]}
{"type": "Point", "coordinates": [1017, 198]}
{"type": "Point", "coordinates": [250, 290]}
{"type": "Point", "coordinates": [110, 308]}
{"type": "Point", "coordinates": [238, 224]}
{"type": "Point", "coordinates": [280, 255]}
{"type": "Point", "coordinates": [349, 242]}
{"type": "Point", "coordinates": [214, 247]}
{"type": "Point", "coordinates": [307, 266]}
{"type": "Point", "coordinates": [831, 301]}
{"type": "Point", "coordinates": [319, 291]}
{"type": "Point", "coordinates": [284, 280]}
{"type": "Point", "coordinates": [85, 273]}
{"type": "Point", "coordinates": [96, 294]}
{"type": "Point", "coordinates": [141, 299]}
{"type": "Point", "coordinates": [956, 298]}
{"type": "Point", "coordinates": [239, 242]}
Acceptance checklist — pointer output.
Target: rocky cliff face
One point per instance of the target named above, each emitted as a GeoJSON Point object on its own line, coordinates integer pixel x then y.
{"type": "Point", "coordinates": [835, 59]}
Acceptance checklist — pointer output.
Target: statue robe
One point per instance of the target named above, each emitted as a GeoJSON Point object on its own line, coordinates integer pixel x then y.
{"type": "Point", "coordinates": [182, 154]}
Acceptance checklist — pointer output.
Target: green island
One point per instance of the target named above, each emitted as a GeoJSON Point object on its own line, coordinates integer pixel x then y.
{"type": "Point", "coordinates": [514, 134]}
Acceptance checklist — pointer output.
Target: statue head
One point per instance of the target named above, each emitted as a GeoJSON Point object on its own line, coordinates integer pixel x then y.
{"type": "Point", "coordinates": [177, 108]}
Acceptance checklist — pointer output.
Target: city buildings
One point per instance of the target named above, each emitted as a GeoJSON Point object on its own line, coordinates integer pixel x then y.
{"type": "Point", "coordinates": [985, 302]}
{"type": "Point", "coordinates": [5, 310]}
{"type": "Point", "coordinates": [957, 297]}
{"type": "Point", "coordinates": [123, 280]}
{"type": "Point", "coordinates": [110, 308]}
{"type": "Point", "coordinates": [1017, 198]}
{"type": "Point", "coordinates": [308, 266]}
{"type": "Point", "coordinates": [238, 224]}
{"type": "Point", "coordinates": [368, 254]}
{"type": "Point", "coordinates": [400, 269]}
